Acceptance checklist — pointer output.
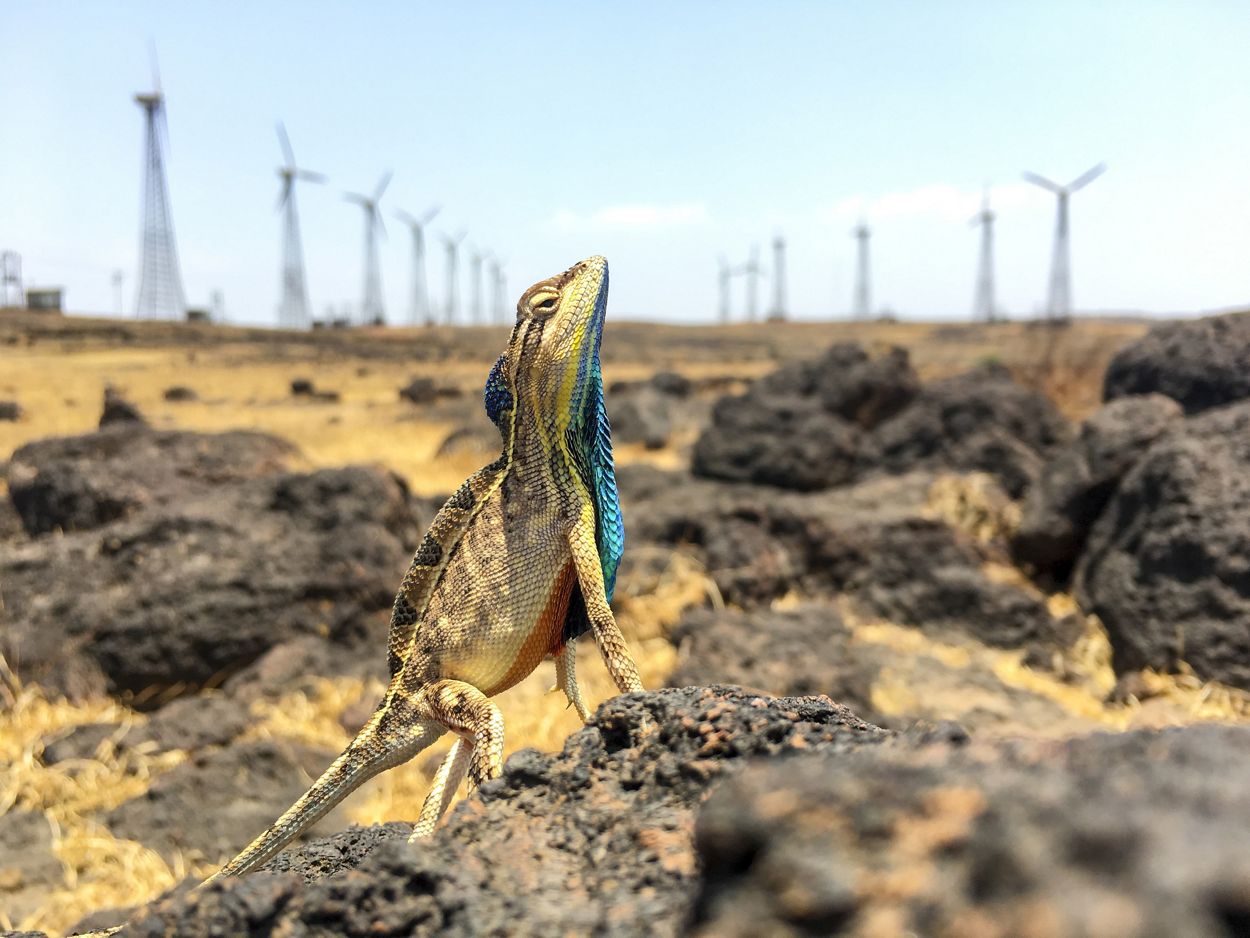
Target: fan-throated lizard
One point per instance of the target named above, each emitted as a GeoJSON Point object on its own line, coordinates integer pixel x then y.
{"type": "Point", "coordinates": [516, 565]}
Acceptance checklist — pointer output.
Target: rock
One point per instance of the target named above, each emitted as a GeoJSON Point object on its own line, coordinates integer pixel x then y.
{"type": "Point", "coordinates": [220, 557]}
{"type": "Point", "coordinates": [81, 742]}
{"type": "Point", "coordinates": [217, 802]}
{"type": "Point", "coordinates": [1201, 363]}
{"type": "Point", "coordinates": [180, 393]}
{"type": "Point", "coordinates": [641, 416]}
{"type": "Point", "coordinates": [29, 868]}
{"type": "Point", "coordinates": [814, 425]}
{"type": "Point", "coordinates": [78, 483]}
{"type": "Point", "coordinates": [10, 410]}
{"type": "Point", "coordinates": [426, 391]}
{"type": "Point", "coordinates": [792, 652]}
{"type": "Point", "coordinates": [978, 422]}
{"type": "Point", "coordinates": [1137, 835]}
{"type": "Point", "coordinates": [118, 410]}
{"type": "Point", "coordinates": [873, 542]}
{"type": "Point", "coordinates": [325, 397]}
{"type": "Point", "coordinates": [597, 837]}
{"type": "Point", "coordinates": [784, 441]}
{"type": "Point", "coordinates": [672, 384]}
{"type": "Point", "coordinates": [302, 387]}
{"type": "Point", "coordinates": [1076, 483]}
{"type": "Point", "coordinates": [480, 437]}
{"type": "Point", "coordinates": [1167, 566]}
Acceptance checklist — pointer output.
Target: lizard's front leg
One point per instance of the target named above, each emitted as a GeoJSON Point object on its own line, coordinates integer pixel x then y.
{"type": "Point", "coordinates": [608, 635]}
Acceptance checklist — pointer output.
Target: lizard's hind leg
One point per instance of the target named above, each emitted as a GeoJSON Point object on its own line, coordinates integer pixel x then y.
{"type": "Point", "coordinates": [566, 680]}
{"type": "Point", "coordinates": [470, 714]}
{"type": "Point", "coordinates": [448, 778]}
{"type": "Point", "coordinates": [387, 740]}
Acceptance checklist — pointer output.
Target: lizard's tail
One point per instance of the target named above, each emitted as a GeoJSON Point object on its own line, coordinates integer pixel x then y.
{"type": "Point", "coordinates": [375, 749]}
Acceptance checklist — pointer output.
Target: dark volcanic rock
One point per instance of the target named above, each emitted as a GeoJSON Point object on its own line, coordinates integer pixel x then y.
{"type": "Point", "coordinates": [813, 425]}
{"type": "Point", "coordinates": [216, 557]}
{"type": "Point", "coordinates": [217, 802]}
{"type": "Point", "coordinates": [594, 840]}
{"type": "Point", "coordinates": [180, 393]}
{"type": "Point", "coordinates": [10, 410]}
{"type": "Point", "coordinates": [981, 421]}
{"type": "Point", "coordinates": [302, 387]}
{"type": "Point", "coordinates": [1075, 485]}
{"type": "Point", "coordinates": [786, 441]}
{"type": "Point", "coordinates": [1167, 567]}
{"type": "Point", "coordinates": [1138, 835]}
{"type": "Point", "coordinates": [426, 391]}
{"type": "Point", "coordinates": [29, 868]}
{"type": "Point", "coordinates": [789, 653]}
{"type": "Point", "coordinates": [1202, 364]}
{"type": "Point", "coordinates": [872, 541]}
{"type": "Point", "coordinates": [76, 483]}
{"type": "Point", "coordinates": [641, 416]}
{"type": "Point", "coordinates": [119, 410]}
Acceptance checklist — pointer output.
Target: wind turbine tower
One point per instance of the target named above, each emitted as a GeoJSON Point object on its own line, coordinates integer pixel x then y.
{"type": "Point", "coordinates": [371, 307]}
{"type": "Point", "coordinates": [724, 272]}
{"type": "Point", "coordinates": [476, 259]}
{"type": "Point", "coordinates": [160, 279]}
{"type": "Point", "coordinates": [294, 312]}
{"type": "Point", "coordinates": [1059, 297]}
{"type": "Point", "coordinates": [500, 285]}
{"type": "Point", "coordinates": [983, 306]}
{"type": "Point", "coordinates": [452, 244]}
{"type": "Point", "coordinates": [420, 309]}
{"type": "Point", "coordinates": [752, 270]}
{"type": "Point", "coordinates": [862, 308]}
{"type": "Point", "coordinates": [779, 279]}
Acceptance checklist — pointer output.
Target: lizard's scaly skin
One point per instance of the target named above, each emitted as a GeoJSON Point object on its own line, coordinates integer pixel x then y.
{"type": "Point", "coordinates": [517, 564]}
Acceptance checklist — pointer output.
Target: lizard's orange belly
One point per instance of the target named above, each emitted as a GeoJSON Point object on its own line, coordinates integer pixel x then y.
{"type": "Point", "coordinates": [496, 652]}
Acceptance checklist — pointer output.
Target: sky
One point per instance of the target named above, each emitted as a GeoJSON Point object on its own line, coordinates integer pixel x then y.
{"type": "Point", "coordinates": [658, 134]}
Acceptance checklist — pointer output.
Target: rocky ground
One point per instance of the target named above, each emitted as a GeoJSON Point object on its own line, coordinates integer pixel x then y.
{"type": "Point", "coordinates": [922, 636]}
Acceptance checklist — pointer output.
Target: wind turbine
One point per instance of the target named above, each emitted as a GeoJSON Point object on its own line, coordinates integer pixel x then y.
{"type": "Point", "coordinates": [420, 310]}
{"type": "Point", "coordinates": [983, 306]}
{"type": "Point", "coordinates": [862, 308]}
{"type": "Point", "coordinates": [752, 270]}
{"type": "Point", "coordinates": [371, 308]}
{"type": "Point", "coordinates": [778, 312]}
{"type": "Point", "coordinates": [452, 244]}
{"type": "Point", "coordinates": [722, 280]}
{"type": "Point", "coordinates": [1059, 299]}
{"type": "Point", "coordinates": [476, 259]}
{"type": "Point", "coordinates": [294, 311]}
{"type": "Point", "coordinates": [499, 283]}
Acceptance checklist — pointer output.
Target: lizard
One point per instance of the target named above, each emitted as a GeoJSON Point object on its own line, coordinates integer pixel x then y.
{"type": "Point", "coordinates": [517, 564]}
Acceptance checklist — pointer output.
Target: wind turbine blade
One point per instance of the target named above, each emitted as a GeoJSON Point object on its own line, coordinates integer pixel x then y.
{"type": "Point", "coordinates": [377, 217]}
{"type": "Point", "coordinates": [285, 142]}
{"type": "Point", "coordinates": [404, 217]}
{"type": "Point", "coordinates": [309, 176]}
{"type": "Point", "coordinates": [1083, 180]}
{"type": "Point", "coordinates": [358, 198]}
{"type": "Point", "coordinates": [1043, 182]}
{"type": "Point", "coordinates": [286, 191]}
{"type": "Point", "coordinates": [429, 214]}
{"type": "Point", "coordinates": [382, 184]}
{"type": "Point", "coordinates": [156, 69]}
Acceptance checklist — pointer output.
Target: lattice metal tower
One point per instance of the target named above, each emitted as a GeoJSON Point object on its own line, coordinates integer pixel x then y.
{"type": "Point", "coordinates": [862, 304]}
{"type": "Point", "coordinates": [1059, 294]}
{"type": "Point", "coordinates": [160, 293]}
{"type": "Point", "coordinates": [372, 309]}
{"type": "Point", "coordinates": [779, 279]}
{"type": "Point", "coordinates": [983, 305]}
{"type": "Point", "coordinates": [451, 307]}
{"type": "Point", "coordinates": [294, 311]}
{"type": "Point", "coordinates": [419, 310]}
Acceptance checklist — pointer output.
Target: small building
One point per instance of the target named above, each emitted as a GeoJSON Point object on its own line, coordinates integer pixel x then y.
{"type": "Point", "coordinates": [199, 314]}
{"type": "Point", "coordinates": [44, 299]}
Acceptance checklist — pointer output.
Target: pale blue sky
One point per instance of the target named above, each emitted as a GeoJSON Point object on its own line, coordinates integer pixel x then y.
{"type": "Point", "coordinates": [656, 134]}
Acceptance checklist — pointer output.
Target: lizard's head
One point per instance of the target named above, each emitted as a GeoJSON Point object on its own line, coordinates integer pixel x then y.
{"type": "Point", "coordinates": [551, 365]}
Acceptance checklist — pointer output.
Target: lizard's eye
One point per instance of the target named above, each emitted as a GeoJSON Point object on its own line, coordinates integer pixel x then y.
{"type": "Point", "coordinates": [544, 303]}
